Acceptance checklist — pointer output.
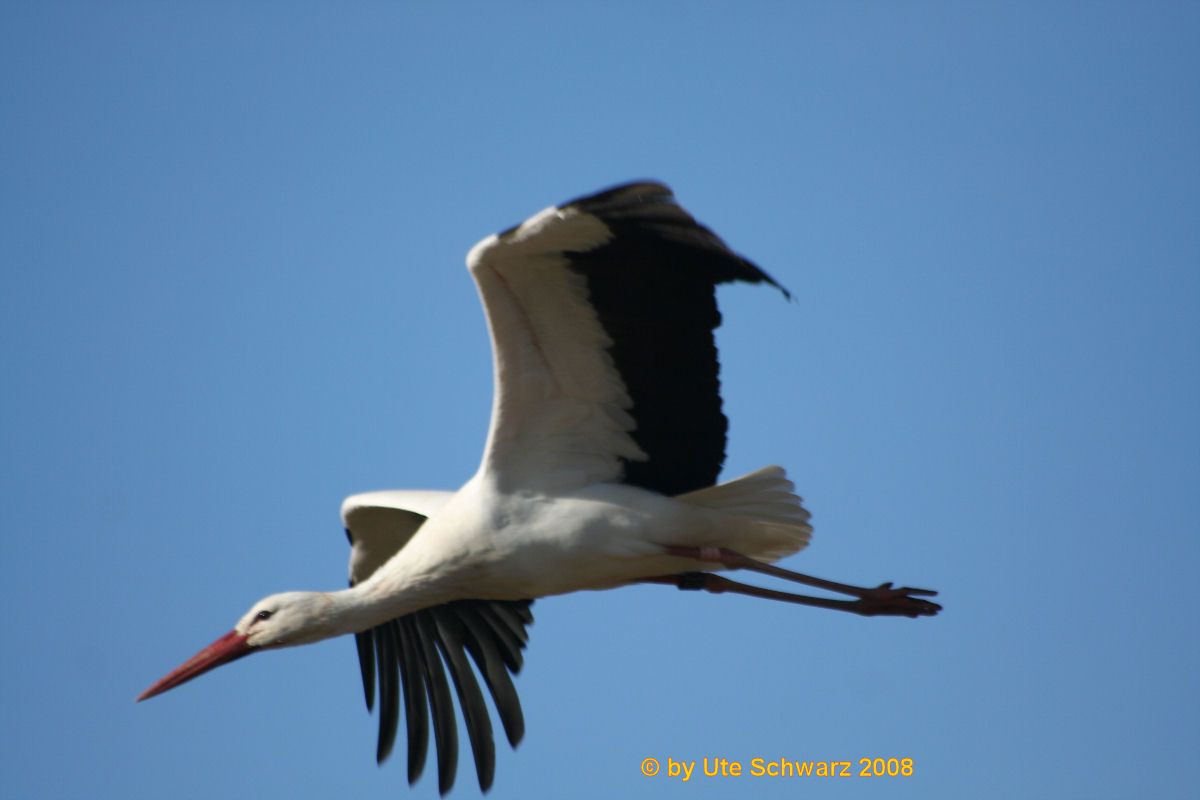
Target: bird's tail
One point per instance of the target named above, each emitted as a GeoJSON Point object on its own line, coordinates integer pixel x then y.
{"type": "Point", "coordinates": [774, 521]}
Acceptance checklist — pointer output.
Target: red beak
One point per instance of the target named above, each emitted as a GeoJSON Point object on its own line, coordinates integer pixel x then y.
{"type": "Point", "coordinates": [229, 647]}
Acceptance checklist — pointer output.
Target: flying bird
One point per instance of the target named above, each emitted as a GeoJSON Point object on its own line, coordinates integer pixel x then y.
{"type": "Point", "coordinates": [600, 470]}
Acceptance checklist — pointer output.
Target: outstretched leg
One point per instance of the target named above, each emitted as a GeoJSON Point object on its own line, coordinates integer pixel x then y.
{"type": "Point", "coordinates": [880, 600]}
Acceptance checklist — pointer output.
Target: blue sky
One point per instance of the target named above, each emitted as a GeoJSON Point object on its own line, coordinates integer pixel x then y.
{"type": "Point", "coordinates": [233, 293]}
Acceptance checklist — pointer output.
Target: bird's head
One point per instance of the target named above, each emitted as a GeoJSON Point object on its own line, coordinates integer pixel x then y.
{"type": "Point", "coordinates": [279, 620]}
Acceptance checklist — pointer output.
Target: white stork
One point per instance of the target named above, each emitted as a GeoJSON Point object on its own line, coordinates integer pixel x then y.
{"type": "Point", "coordinates": [600, 470]}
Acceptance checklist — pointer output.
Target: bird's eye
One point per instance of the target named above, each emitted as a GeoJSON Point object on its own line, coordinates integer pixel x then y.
{"type": "Point", "coordinates": [264, 614]}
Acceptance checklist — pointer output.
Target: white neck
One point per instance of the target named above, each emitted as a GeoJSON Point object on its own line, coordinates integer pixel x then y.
{"type": "Point", "coordinates": [385, 596]}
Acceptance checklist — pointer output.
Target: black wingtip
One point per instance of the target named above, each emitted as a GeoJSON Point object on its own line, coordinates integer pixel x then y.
{"type": "Point", "coordinates": [365, 646]}
{"type": "Point", "coordinates": [416, 709]}
{"type": "Point", "coordinates": [622, 195]}
{"type": "Point", "coordinates": [410, 658]}
{"type": "Point", "coordinates": [389, 704]}
{"type": "Point", "coordinates": [445, 727]}
{"type": "Point", "coordinates": [484, 646]}
{"type": "Point", "coordinates": [452, 641]}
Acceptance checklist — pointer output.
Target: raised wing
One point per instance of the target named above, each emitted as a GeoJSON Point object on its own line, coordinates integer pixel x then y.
{"type": "Point", "coordinates": [410, 656]}
{"type": "Point", "coordinates": [380, 523]}
{"type": "Point", "coordinates": [602, 313]}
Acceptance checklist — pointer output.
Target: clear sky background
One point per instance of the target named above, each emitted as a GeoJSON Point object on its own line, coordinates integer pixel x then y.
{"type": "Point", "coordinates": [233, 292]}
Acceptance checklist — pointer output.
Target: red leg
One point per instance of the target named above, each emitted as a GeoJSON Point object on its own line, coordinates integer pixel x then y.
{"type": "Point", "coordinates": [882, 599]}
{"type": "Point", "coordinates": [867, 607]}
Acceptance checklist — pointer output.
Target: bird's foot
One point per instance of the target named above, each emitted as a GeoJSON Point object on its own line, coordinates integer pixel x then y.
{"type": "Point", "coordinates": [905, 601]}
